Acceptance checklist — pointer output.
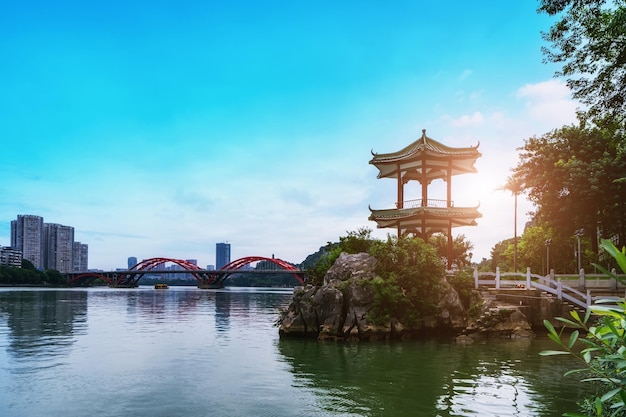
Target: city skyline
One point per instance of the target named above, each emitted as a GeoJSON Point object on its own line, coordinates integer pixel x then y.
{"type": "Point", "coordinates": [47, 245]}
{"type": "Point", "coordinates": [161, 129]}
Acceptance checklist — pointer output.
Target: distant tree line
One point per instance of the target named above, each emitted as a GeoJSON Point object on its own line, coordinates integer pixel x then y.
{"type": "Point", "coordinates": [28, 275]}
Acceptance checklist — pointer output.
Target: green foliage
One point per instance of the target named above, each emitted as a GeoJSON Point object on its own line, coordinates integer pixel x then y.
{"type": "Point", "coordinates": [572, 176]}
{"type": "Point", "coordinates": [29, 276]}
{"type": "Point", "coordinates": [461, 249]}
{"type": "Point", "coordinates": [589, 40]}
{"type": "Point", "coordinates": [26, 264]}
{"type": "Point", "coordinates": [619, 256]}
{"type": "Point", "coordinates": [604, 349]}
{"type": "Point", "coordinates": [411, 273]}
{"type": "Point", "coordinates": [502, 255]}
{"type": "Point", "coordinates": [54, 277]}
{"type": "Point", "coordinates": [463, 282]}
{"type": "Point", "coordinates": [390, 302]}
{"type": "Point", "coordinates": [357, 242]}
{"type": "Point", "coordinates": [354, 242]}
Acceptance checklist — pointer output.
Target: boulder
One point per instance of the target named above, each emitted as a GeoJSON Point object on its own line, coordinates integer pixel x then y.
{"type": "Point", "coordinates": [499, 320]}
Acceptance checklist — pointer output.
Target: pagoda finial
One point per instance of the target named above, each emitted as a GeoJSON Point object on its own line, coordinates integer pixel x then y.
{"type": "Point", "coordinates": [424, 135]}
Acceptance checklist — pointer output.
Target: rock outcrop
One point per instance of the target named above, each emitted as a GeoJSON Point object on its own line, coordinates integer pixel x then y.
{"type": "Point", "coordinates": [496, 319]}
{"type": "Point", "coordinates": [339, 309]}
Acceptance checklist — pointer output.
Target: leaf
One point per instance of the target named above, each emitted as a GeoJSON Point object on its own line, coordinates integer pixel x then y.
{"type": "Point", "coordinates": [549, 326]}
{"type": "Point", "coordinates": [575, 371]}
{"type": "Point", "coordinates": [610, 394]}
{"type": "Point", "coordinates": [619, 256]}
{"type": "Point", "coordinates": [553, 352]}
{"type": "Point", "coordinates": [556, 339]}
{"type": "Point", "coordinates": [572, 339]}
{"type": "Point", "coordinates": [598, 404]}
{"type": "Point", "coordinates": [569, 322]}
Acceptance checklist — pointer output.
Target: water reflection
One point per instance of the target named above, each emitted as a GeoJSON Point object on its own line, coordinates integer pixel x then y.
{"type": "Point", "coordinates": [41, 325]}
{"type": "Point", "coordinates": [222, 312]}
{"type": "Point", "coordinates": [432, 378]}
{"type": "Point", "coordinates": [218, 353]}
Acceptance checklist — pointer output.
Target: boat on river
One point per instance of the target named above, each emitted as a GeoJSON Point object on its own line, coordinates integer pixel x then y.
{"type": "Point", "coordinates": [161, 286]}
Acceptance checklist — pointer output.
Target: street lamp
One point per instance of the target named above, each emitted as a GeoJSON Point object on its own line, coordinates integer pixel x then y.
{"type": "Point", "coordinates": [579, 233]}
{"type": "Point", "coordinates": [548, 242]}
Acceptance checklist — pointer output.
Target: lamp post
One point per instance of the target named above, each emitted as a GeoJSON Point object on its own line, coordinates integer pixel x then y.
{"type": "Point", "coordinates": [579, 233]}
{"type": "Point", "coordinates": [548, 242]}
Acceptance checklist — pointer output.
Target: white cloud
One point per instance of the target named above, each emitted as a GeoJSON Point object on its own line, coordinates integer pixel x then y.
{"type": "Point", "coordinates": [548, 102]}
{"type": "Point", "coordinates": [475, 119]}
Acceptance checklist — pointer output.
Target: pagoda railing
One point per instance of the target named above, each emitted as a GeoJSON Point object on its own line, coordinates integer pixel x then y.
{"type": "Point", "coordinates": [431, 202]}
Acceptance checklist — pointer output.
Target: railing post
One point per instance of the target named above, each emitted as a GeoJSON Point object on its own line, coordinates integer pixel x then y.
{"type": "Point", "coordinates": [527, 277]}
{"type": "Point", "coordinates": [588, 298]}
{"type": "Point", "coordinates": [475, 277]}
{"type": "Point", "coordinates": [497, 277]}
{"type": "Point", "coordinates": [581, 279]}
{"type": "Point", "coordinates": [559, 290]}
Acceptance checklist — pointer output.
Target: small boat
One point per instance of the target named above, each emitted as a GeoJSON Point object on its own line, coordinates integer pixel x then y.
{"type": "Point", "coordinates": [160, 286]}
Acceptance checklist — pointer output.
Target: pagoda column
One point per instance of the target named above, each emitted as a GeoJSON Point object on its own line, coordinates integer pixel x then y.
{"type": "Point", "coordinates": [400, 203]}
{"type": "Point", "coordinates": [449, 184]}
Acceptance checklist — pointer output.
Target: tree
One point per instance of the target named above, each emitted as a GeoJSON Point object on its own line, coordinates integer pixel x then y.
{"type": "Point", "coordinates": [499, 255]}
{"type": "Point", "coordinates": [354, 242]}
{"type": "Point", "coordinates": [589, 40]}
{"type": "Point", "coordinates": [515, 185]}
{"type": "Point", "coordinates": [572, 176]}
{"type": "Point", "coordinates": [461, 249]}
{"type": "Point", "coordinates": [409, 275]}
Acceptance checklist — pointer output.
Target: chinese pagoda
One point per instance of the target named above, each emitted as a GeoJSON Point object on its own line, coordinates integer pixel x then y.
{"type": "Point", "coordinates": [426, 160]}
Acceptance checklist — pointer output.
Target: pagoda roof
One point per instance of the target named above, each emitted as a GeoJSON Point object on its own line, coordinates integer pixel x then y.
{"type": "Point", "coordinates": [426, 156]}
{"type": "Point", "coordinates": [426, 220]}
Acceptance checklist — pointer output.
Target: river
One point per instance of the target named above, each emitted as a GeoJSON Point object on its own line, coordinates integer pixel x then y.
{"type": "Point", "coordinates": [187, 352]}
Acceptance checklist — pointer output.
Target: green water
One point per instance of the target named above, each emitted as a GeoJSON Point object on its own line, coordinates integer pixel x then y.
{"type": "Point", "coordinates": [189, 352]}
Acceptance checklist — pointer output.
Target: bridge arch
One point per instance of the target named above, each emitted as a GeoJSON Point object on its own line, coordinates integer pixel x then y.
{"type": "Point", "coordinates": [240, 263]}
{"type": "Point", "coordinates": [205, 278]}
{"type": "Point", "coordinates": [87, 278]}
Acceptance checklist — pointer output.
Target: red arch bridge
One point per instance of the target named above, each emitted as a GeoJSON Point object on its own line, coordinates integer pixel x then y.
{"type": "Point", "coordinates": [206, 278]}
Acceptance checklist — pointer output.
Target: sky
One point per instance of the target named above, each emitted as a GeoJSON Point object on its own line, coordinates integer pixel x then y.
{"type": "Point", "coordinates": [160, 128]}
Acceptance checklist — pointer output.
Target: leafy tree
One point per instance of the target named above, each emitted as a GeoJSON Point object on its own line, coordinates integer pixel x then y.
{"type": "Point", "coordinates": [501, 255]}
{"type": "Point", "coordinates": [354, 242]}
{"type": "Point", "coordinates": [54, 277]}
{"type": "Point", "coordinates": [410, 272]}
{"type": "Point", "coordinates": [26, 264]}
{"type": "Point", "coordinates": [589, 40]}
{"type": "Point", "coordinates": [572, 176]}
{"type": "Point", "coordinates": [461, 248]}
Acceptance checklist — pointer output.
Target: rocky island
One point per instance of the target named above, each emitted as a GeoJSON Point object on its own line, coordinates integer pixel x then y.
{"type": "Point", "coordinates": [343, 308]}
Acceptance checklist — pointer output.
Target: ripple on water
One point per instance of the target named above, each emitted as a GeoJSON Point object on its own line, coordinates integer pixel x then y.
{"type": "Point", "coordinates": [500, 393]}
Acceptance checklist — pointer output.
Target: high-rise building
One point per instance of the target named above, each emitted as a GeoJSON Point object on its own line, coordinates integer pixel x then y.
{"type": "Point", "coordinates": [10, 256]}
{"type": "Point", "coordinates": [27, 236]}
{"type": "Point", "coordinates": [80, 257]}
{"type": "Point", "coordinates": [58, 247]}
{"type": "Point", "coordinates": [48, 245]}
{"type": "Point", "coordinates": [222, 254]}
{"type": "Point", "coordinates": [132, 261]}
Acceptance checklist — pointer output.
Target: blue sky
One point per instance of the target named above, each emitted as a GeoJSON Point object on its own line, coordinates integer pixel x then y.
{"type": "Point", "coordinates": [161, 128]}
